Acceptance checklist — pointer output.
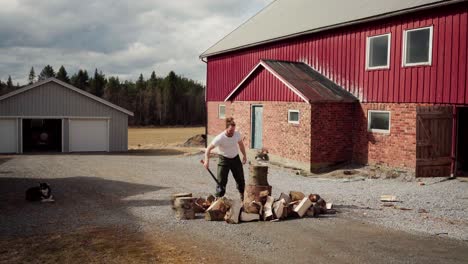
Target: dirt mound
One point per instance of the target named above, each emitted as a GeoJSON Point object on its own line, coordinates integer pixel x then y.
{"type": "Point", "coordinates": [195, 141]}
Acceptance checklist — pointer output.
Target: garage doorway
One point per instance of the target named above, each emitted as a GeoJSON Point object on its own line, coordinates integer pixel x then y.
{"type": "Point", "coordinates": [42, 135]}
{"type": "Point", "coordinates": [462, 142]}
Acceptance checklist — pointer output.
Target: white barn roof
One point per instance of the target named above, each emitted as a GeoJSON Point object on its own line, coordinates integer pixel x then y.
{"type": "Point", "coordinates": [288, 18]}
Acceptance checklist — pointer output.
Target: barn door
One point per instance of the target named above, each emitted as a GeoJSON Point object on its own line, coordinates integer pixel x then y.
{"type": "Point", "coordinates": [434, 141]}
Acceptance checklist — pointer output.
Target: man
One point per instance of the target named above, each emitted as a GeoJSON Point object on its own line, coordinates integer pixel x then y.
{"type": "Point", "coordinates": [229, 160]}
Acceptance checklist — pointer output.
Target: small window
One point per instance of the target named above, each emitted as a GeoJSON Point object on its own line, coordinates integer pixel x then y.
{"type": "Point", "coordinates": [222, 111]}
{"type": "Point", "coordinates": [378, 52]}
{"type": "Point", "coordinates": [417, 45]}
{"type": "Point", "coordinates": [293, 116]}
{"type": "Point", "coordinates": [379, 121]}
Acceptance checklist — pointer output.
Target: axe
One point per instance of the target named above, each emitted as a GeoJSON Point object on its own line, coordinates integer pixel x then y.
{"type": "Point", "coordinates": [219, 187]}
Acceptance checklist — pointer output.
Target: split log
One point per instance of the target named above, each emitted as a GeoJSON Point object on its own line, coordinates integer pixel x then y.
{"type": "Point", "coordinates": [199, 205]}
{"type": "Point", "coordinates": [285, 197]}
{"type": "Point", "coordinates": [279, 209]}
{"type": "Point", "coordinates": [268, 209]}
{"type": "Point", "coordinates": [296, 196]}
{"type": "Point", "coordinates": [217, 210]}
{"type": "Point", "coordinates": [254, 193]}
{"type": "Point", "coordinates": [388, 198]}
{"type": "Point", "coordinates": [258, 175]}
{"type": "Point", "coordinates": [232, 216]}
{"type": "Point", "coordinates": [303, 206]}
{"type": "Point", "coordinates": [247, 217]}
{"type": "Point", "coordinates": [178, 195]}
{"type": "Point", "coordinates": [314, 197]}
{"type": "Point", "coordinates": [184, 207]}
{"type": "Point", "coordinates": [313, 211]}
{"type": "Point", "coordinates": [323, 205]}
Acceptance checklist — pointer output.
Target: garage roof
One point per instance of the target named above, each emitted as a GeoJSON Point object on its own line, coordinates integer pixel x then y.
{"type": "Point", "coordinates": [66, 85]}
{"type": "Point", "coordinates": [307, 83]}
{"type": "Point", "coordinates": [289, 18]}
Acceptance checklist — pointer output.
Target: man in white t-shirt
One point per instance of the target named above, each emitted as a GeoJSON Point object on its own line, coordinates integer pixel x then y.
{"type": "Point", "coordinates": [228, 143]}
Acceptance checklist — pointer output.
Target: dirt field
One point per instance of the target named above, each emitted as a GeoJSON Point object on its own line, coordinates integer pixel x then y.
{"type": "Point", "coordinates": [147, 138]}
{"type": "Point", "coordinates": [116, 209]}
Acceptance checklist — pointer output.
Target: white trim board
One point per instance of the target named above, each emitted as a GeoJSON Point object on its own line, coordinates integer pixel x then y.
{"type": "Point", "coordinates": [66, 85]}
{"type": "Point", "coordinates": [268, 68]}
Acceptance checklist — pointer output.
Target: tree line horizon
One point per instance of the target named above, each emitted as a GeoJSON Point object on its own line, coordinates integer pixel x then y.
{"type": "Point", "coordinates": [172, 100]}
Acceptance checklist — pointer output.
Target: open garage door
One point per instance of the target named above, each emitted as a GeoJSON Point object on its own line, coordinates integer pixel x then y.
{"type": "Point", "coordinates": [8, 136]}
{"type": "Point", "coordinates": [88, 135]}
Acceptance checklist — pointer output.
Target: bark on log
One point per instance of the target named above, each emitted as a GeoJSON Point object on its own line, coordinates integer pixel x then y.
{"type": "Point", "coordinates": [184, 207]}
{"type": "Point", "coordinates": [253, 193]}
{"type": "Point", "coordinates": [258, 175]}
{"type": "Point", "coordinates": [178, 195]}
{"type": "Point", "coordinates": [314, 197]}
{"type": "Point", "coordinates": [296, 196]}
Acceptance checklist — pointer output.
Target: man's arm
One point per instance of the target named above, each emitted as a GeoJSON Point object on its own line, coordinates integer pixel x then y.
{"type": "Point", "coordinates": [207, 155]}
{"type": "Point", "coordinates": [242, 149]}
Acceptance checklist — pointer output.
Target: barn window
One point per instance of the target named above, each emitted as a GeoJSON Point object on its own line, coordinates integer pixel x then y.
{"type": "Point", "coordinates": [293, 116]}
{"type": "Point", "coordinates": [417, 47]}
{"type": "Point", "coordinates": [222, 111]}
{"type": "Point", "coordinates": [378, 52]}
{"type": "Point", "coordinates": [378, 121]}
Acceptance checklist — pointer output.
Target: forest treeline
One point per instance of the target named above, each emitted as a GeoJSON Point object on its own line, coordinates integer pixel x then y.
{"type": "Point", "coordinates": [159, 101]}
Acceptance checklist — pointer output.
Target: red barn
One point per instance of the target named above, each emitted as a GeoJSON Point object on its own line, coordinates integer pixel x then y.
{"type": "Point", "coordinates": [320, 83]}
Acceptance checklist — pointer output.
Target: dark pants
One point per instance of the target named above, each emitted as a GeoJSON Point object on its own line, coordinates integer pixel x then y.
{"type": "Point", "coordinates": [235, 166]}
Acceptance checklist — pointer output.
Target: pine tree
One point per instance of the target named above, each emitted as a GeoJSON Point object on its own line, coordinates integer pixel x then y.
{"type": "Point", "coordinates": [81, 80]}
{"type": "Point", "coordinates": [9, 83]}
{"type": "Point", "coordinates": [32, 76]}
{"type": "Point", "coordinates": [98, 83]}
{"type": "Point", "coordinates": [63, 75]}
{"type": "Point", "coordinates": [46, 73]}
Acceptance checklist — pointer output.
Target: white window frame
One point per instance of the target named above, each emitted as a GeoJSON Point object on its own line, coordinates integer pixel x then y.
{"type": "Point", "coordinates": [431, 40]}
{"type": "Point", "coordinates": [219, 111]}
{"type": "Point", "coordinates": [384, 131]}
{"type": "Point", "coordinates": [298, 116]}
{"type": "Point", "coordinates": [368, 51]}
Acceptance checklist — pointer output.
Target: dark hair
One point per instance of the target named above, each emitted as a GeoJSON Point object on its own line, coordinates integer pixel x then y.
{"type": "Point", "coordinates": [230, 122]}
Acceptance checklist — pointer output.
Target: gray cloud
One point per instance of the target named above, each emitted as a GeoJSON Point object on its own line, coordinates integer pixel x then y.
{"type": "Point", "coordinates": [122, 38]}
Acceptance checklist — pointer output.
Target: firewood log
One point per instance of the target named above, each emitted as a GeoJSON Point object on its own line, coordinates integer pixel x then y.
{"type": "Point", "coordinates": [296, 196]}
{"type": "Point", "coordinates": [177, 195]}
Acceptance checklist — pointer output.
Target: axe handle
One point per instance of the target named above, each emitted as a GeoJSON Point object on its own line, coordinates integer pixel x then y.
{"type": "Point", "coordinates": [212, 175]}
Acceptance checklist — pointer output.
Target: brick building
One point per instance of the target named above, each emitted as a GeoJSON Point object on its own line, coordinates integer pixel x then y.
{"type": "Point", "coordinates": [377, 82]}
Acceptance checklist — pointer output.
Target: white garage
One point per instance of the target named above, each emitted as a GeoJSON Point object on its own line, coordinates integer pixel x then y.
{"type": "Point", "coordinates": [8, 136]}
{"type": "Point", "coordinates": [53, 116]}
{"type": "Point", "coordinates": [89, 135]}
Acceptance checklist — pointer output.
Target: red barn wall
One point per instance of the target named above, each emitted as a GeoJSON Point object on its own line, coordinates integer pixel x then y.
{"type": "Point", "coordinates": [340, 55]}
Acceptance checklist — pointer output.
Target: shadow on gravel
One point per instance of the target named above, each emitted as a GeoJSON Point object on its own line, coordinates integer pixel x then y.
{"type": "Point", "coordinates": [4, 159]}
{"type": "Point", "coordinates": [131, 152]}
{"type": "Point", "coordinates": [79, 201]}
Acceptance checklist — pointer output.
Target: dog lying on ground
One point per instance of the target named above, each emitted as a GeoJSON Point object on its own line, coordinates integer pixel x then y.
{"type": "Point", "coordinates": [42, 193]}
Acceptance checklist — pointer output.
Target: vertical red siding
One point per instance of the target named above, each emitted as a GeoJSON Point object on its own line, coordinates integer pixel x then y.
{"type": "Point", "coordinates": [340, 55]}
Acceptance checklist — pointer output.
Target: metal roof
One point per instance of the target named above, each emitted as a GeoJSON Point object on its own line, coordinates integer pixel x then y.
{"type": "Point", "coordinates": [66, 85]}
{"type": "Point", "coordinates": [307, 83]}
{"type": "Point", "coordinates": [289, 18]}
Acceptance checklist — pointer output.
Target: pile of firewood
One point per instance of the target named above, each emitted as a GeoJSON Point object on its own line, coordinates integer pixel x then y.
{"type": "Point", "coordinates": [294, 205]}
{"type": "Point", "coordinates": [258, 203]}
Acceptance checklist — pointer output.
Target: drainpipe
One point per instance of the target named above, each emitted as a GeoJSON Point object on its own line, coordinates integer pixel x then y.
{"type": "Point", "coordinates": [454, 142]}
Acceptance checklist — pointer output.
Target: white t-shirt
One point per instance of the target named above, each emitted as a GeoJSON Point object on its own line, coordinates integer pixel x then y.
{"type": "Point", "coordinates": [227, 146]}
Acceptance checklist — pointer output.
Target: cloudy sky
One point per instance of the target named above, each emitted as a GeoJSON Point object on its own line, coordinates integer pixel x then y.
{"type": "Point", "coordinates": [120, 37]}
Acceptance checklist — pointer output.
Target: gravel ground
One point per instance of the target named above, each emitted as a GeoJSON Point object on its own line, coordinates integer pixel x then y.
{"type": "Point", "coordinates": [134, 190]}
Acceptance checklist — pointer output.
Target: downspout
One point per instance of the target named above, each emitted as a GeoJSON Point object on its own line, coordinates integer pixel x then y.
{"type": "Point", "coordinates": [206, 104]}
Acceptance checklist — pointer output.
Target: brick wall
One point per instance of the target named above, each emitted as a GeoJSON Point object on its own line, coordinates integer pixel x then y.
{"type": "Point", "coordinates": [291, 141]}
{"type": "Point", "coordinates": [396, 149]}
{"type": "Point", "coordinates": [325, 136]}
{"type": "Point", "coordinates": [332, 133]}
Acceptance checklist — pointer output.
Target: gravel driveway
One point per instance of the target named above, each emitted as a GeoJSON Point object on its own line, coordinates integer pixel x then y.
{"type": "Point", "coordinates": [134, 190]}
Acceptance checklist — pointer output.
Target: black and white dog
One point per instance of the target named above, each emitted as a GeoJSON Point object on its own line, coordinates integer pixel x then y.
{"type": "Point", "coordinates": [41, 193]}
